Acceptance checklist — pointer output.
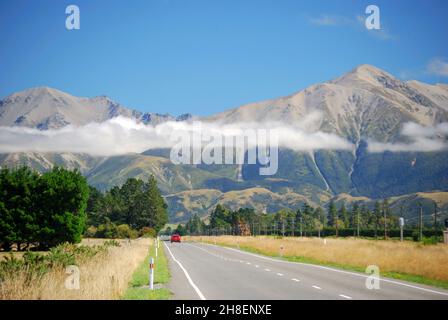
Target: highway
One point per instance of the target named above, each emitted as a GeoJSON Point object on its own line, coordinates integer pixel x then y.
{"type": "Point", "coordinates": [209, 272]}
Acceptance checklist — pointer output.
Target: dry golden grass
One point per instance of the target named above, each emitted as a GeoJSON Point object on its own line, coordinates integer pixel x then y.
{"type": "Point", "coordinates": [429, 261]}
{"type": "Point", "coordinates": [105, 276]}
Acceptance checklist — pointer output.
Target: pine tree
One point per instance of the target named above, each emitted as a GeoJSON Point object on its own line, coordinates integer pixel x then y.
{"type": "Point", "coordinates": [377, 216]}
{"type": "Point", "coordinates": [333, 216]}
{"type": "Point", "coordinates": [158, 214]}
{"type": "Point", "coordinates": [343, 214]}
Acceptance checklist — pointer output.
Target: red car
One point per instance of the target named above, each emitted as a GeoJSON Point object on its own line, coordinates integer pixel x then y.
{"type": "Point", "coordinates": [175, 238]}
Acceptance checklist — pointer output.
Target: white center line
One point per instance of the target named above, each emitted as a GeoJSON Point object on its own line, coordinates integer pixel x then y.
{"type": "Point", "coordinates": [294, 279]}
{"type": "Point", "coordinates": [280, 274]}
{"type": "Point", "coordinates": [247, 262]}
{"type": "Point", "coordinates": [257, 266]}
{"type": "Point", "coordinates": [316, 287]}
{"type": "Point", "coordinates": [344, 296]}
{"type": "Point", "coordinates": [267, 270]}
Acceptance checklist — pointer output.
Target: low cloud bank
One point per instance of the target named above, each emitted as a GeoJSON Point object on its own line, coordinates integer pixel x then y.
{"type": "Point", "coordinates": [124, 135]}
{"type": "Point", "coordinates": [422, 139]}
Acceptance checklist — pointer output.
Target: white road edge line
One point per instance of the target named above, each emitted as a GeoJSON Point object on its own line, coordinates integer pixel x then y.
{"type": "Point", "coordinates": [316, 287]}
{"type": "Point", "coordinates": [267, 269]}
{"type": "Point", "coordinates": [294, 279]}
{"type": "Point", "coordinates": [344, 296]}
{"type": "Point", "coordinates": [331, 269]}
{"type": "Point", "coordinates": [280, 274]}
{"type": "Point", "coordinates": [201, 296]}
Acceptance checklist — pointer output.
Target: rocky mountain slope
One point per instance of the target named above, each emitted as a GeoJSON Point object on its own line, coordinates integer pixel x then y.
{"type": "Point", "coordinates": [47, 108]}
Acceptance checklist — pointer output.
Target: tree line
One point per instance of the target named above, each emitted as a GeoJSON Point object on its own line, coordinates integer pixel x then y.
{"type": "Point", "coordinates": [136, 208]}
{"type": "Point", "coordinates": [358, 220]}
{"type": "Point", "coordinates": [42, 210]}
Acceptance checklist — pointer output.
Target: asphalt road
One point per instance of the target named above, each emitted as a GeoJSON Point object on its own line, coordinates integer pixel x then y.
{"type": "Point", "coordinates": [202, 271]}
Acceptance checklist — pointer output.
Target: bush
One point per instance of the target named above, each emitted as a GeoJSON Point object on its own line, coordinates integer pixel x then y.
{"type": "Point", "coordinates": [125, 231]}
{"type": "Point", "coordinates": [91, 232]}
{"type": "Point", "coordinates": [430, 240]}
{"type": "Point", "coordinates": [147, 232]}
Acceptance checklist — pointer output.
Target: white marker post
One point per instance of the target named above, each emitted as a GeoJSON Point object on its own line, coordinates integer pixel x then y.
{"type": "Point", "coordinates": [151, 274]}
{"type": "Point", "coordinates": [401, 222]}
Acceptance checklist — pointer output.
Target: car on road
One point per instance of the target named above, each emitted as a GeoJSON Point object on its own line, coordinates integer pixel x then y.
{"type": "Point", "coordinates": [175, 238]}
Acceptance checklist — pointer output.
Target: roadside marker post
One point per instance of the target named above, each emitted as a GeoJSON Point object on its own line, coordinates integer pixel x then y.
{"type": "Point", "coordinates": [156, 251]}
{"type": "Point", "coordinates": [151, 274]}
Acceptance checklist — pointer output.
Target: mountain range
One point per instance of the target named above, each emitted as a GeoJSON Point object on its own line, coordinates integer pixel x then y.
{"type": "Point", "coordinates": [366, 104]}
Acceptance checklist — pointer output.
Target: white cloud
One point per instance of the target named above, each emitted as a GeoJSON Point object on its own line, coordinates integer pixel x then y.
{"type": "Point", "coordinates": [124, 135]}
{"type": "Point", "coordinates": [422, 139]}
{"type": "Point", "coordinates": [437, 66]}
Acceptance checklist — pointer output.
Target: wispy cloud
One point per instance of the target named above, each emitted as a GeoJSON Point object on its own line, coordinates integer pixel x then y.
{"type": "Point", "coordinates": [422, 139]}
{"type": "Point", "coordinates": [329, 20]}
{"type": "Point", "coordinates": [434, 67]}
{"type": "Point", "coordinates": [355, 22]}
{"type": "Point", "coordinates": [437, 66]}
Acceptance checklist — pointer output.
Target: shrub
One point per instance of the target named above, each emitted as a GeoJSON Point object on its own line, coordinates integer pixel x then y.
{"type": "Point", "coordinates": [147, 232]}
{"type": "Point", "coordinates": [125, 231]}
{"type": "Point", "coordinates": [91, 232]}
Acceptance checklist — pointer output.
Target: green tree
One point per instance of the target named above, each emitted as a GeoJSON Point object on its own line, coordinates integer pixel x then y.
{"type": "Point", "coordinates": [60, 206]}
{"type": "Point", "coordinates": [332, 214]}
{"type": "Point", "coordinates": [157, 215]}
{"type": "Point", "coordinates": [18, 223]}
{"type": "Point", "coordinates": [343, 215]}
{"type": "Point", "coordinates": [377, 213]}
{"type": "Point", "coordinates": [220, 217]}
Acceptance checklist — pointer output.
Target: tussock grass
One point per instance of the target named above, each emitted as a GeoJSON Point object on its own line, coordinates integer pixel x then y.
{"type": "Point", "coordinates": [104, 276]}
{"type": "Point", "coordinates": [404, 260]}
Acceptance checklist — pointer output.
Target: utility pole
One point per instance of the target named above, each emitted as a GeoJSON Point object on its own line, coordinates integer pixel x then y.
{"type": "Point", "coordinates": [301, 224]}
{"type": "Point", "coordinates": [435, 216]}
{"type": "Point", "coordinates": [385, 223]}
{"type": "Point", "coordinates": [283, 227]}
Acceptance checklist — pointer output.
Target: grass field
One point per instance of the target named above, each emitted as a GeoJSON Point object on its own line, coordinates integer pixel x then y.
{"type": "Point", "coordinates": [138, 286]}
{"type": "Point", "coordinates": [104, 276]}
{"type": "Point", "coordinates": [411, 261]}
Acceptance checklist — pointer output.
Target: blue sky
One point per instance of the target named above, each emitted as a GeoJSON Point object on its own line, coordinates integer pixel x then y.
{"type": "Point", "coordinates": [205, 56]}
